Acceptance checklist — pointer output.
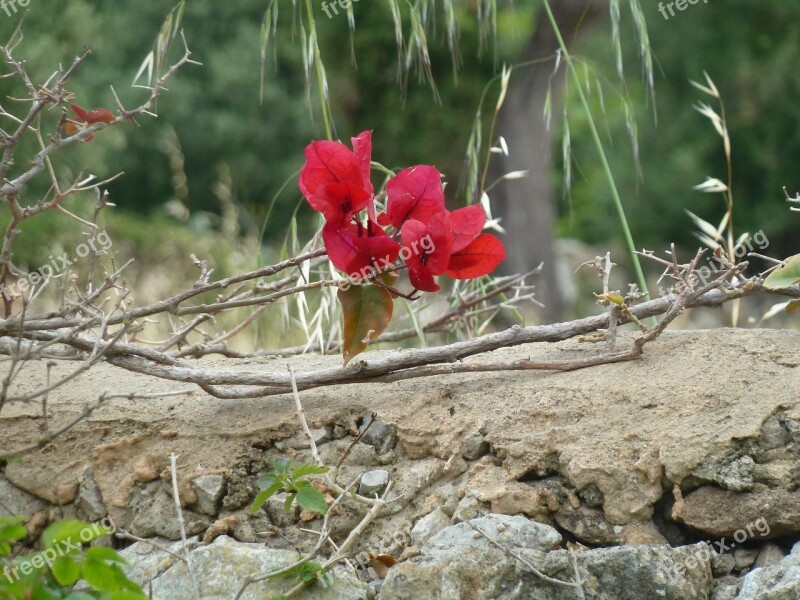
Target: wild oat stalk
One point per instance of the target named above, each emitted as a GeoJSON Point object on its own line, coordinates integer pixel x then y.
{"type": "Point", "coordinates": [599, 145]}
{"type": "Point", "coordinates": [721, 236]}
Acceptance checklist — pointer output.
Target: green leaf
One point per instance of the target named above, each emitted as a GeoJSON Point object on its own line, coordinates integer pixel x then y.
{"type": "Point", "coordinates": [267, 480]}
{"type": "Point", "coordinates": [264, 495]}
{"type": "Point", "coordinates": [367, 310]}
{"type": "Point", "coordinates": [99, 575]}
{"type": "Point", "coordinates": [125, 595]}
{"type": "Point", "coordinates": [287, 504]}
{"type": "Point", "coordinates": [68, 529]}
{"type": "Point", "coordinates": [304, 469]}
{"type": "Point", "coordinates": [786, 275]}
{"type": "Point", "coordinates": [66, 571]}
{"type": "Point", "coordinates": [108, 554]}
{"type": "Point", "coordinates": [310, 498]}
{"type": "Point", "coordinates": [79, 596]}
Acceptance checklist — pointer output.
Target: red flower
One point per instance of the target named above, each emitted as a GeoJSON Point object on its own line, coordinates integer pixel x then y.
{"type": "Point", "coordinates": [454, 247]}
{"type": "Point", "coordinates": [88, 117]}
{"type": "Point", "coordinates": [414, 193]}
{"type": "Point", "coordinates": [355, 248]}
{"type": "Point", "coordinates": [426, 250]}
{"type": "Point", "coordinates": [335, 180]}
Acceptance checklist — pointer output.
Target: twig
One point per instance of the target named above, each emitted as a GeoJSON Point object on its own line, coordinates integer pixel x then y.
{"type": "Point", "coordinates": [301, 415]}
{"type": "Point", "coordinates": [176, 495]}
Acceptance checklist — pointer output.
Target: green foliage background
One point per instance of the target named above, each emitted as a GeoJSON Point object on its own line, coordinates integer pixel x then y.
{"type": "Point", "coordinates": [212, 114]}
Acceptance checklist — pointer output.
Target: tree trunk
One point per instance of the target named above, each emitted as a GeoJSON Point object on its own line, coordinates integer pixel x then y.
{"type": "Point", "coordinates": [527, 206]}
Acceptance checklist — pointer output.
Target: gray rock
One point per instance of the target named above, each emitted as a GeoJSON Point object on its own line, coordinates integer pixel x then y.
{"type": "Point", "coordinates": [773, 434]}
{"type": "Point", "coordinates": [275, 507]}
{"type": "Point", "coordinates": [588, 525]}
{"type": "Point", "coordinates": [382, 436]}
{"type": "Point", "coordinates": [475, 446]}
{"type": "Point", "coordinates": [735, 475]}
{"type": "Point", "coordinates": [722, 564]}
{"type": "Point", "coordinates": [299, 441]}
{"type": "Point", "coordinates": [455, 563]}
{"type": "Point", "coordinates": [209, 490]}
{"type": "Point", "coordinates": [744, 558]}
{"type": "Point", "coordinates": [221, 567]}
{"type": "Point", "coordinates": [428, 525]}
{"type": "Point", "coordinates": [90, 501]}
{"type": "Point", "coordinates": [725, 588]}
{"type": "Point", "coordinates": [15, 502]}
{"type": "Point", "coordinates": [153, 514]}
{"type": "Point", "coordinates": [778, 582]}
{"type": "Point", "coordinates": [147, 562]}
{"type": "Point", "coordinates": [373, 482]}
{"type": "Point", "coordinates": [770, 554]}
{"type": "Point", "coordinates": [469, 508]}
{"type": "Point", "coordinates": [512, 532]}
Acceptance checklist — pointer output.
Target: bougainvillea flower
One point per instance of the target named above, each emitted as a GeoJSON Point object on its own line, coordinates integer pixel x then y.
{"type": "Point", "coordinates": [465, 224]}
{"type": "Point", "coordinates": [355, 249]}
{"type": "Point", "coordinates": [426, 250]}
{"type": "Point", "coordinates": [338, 202]}
{"type": "Point", "coordinates": [473, 254]}
{"type": "Point", "coordinates": [329, 163]}
{"type": "Point", "coordinates": [414, 193]}
{"type": "Point", "coordinates": [88, 117]}
{"type": "Point", "coordinates": [480, 257]}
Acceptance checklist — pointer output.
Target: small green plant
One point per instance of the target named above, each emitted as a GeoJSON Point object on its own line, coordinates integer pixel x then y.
{"type": "Point", "coordinates": [51, 573]}
{"type": "Point", "coordinates": [292, 480]}
{"type": "Point", "coordinates": [307, 572]}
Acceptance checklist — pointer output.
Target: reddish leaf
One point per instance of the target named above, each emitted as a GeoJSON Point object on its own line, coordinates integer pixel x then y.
{"type": "Point", "coordinates": [83, 115]}
{"type": "Point", "coordinates": [465, 224]}
{"type": "Point", "coordinates": [415, 193]}
{"type": "Point", "coordinates": [481, 257]}
{"type": "Point", "coordinates": [367, 310]}
{"type": "Point", "coordinates": [326, 163]}
{"type": "Point", "coordinates": [101, 115]}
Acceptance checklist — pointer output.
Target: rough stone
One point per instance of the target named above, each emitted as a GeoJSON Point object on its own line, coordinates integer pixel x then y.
{"type": "Point", "coordinates": [468, 508]}
{"type": "Point", "coordinates": [90, 500]}
{"type": "Point", "coordinates": [722, 564]}
{"type": "Point", "coordinates": [381, 436]}
{"type": "Point", "coordinates": [778, 582]}
{"type": "Point", "coordinates": [373, 483]}
{"type": "Point", "coordinates": [588, 525]}
{"type": "Point", "coordinates": [222, 566]}
{"type": "Point", "coordinates": [773, 434]}
{"type": "Point", "coordinates": [475, 446]}
{"type": "Point", "coordinates": [209, 490]}
{"type": "Point", "coordinates": [770, 554]}
{"type": "Point", "coordinates": [725, 588]}
{"type": "Point", "coordinates": [735, 474]}
{"type": "Point", "coordinates": [153, 514]}
{"type": "Point", "coordinates": [429, 525]}
{"type": "Point", "coordinates": [299, 441]}
{"type": "Point", "coordinates": [721, 513]}
{"type": "Point", "coordinates": [744, 557]}
{"type": "Point", "coordinates": [275, 507]}
{"type": "Point", "coordinates": [455, 563]}
{"type": "Point", "coordinates": [16, 503]}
